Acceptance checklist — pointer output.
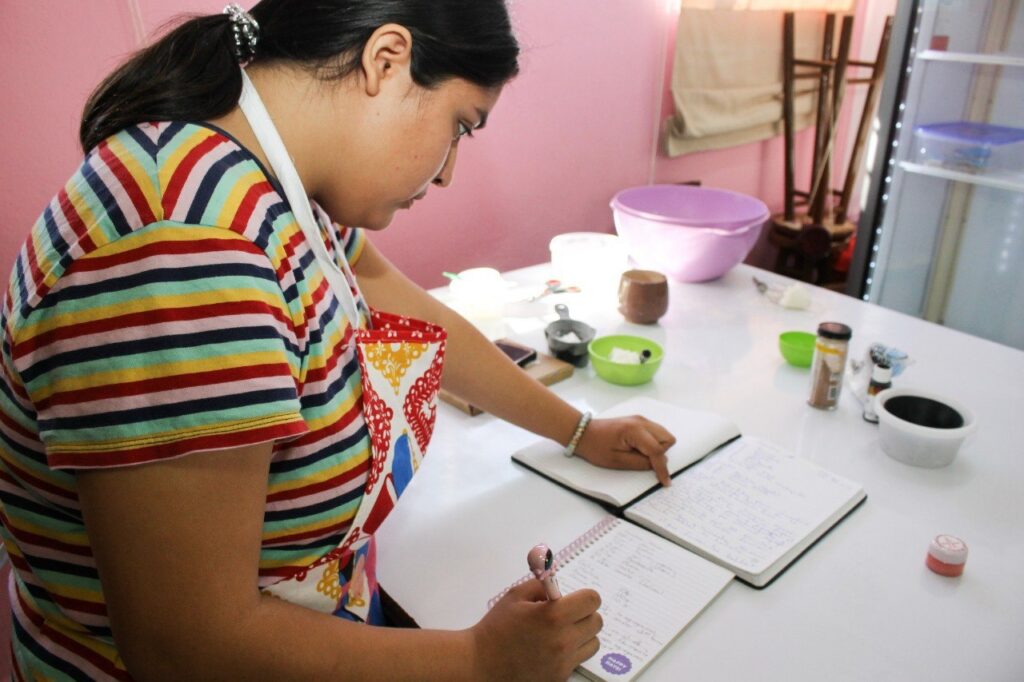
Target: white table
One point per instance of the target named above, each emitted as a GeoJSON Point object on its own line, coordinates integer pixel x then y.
{"type": "Point", "coordinates": [861, 605]}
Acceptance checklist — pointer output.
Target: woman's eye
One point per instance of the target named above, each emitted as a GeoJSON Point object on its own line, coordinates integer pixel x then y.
{"type": "Point", "coordinates": [464, 129]}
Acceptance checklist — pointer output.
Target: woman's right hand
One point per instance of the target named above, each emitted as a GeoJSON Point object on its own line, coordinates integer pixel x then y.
{"type": "Point", "coordinates": [526, 637]}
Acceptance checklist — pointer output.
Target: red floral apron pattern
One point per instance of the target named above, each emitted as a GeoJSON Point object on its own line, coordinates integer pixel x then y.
{"type": "Point", "coordinates": [401, 360]}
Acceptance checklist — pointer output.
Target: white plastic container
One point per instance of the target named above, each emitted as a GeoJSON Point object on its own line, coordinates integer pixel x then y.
{"type": "Point", "coordinates": [588, 259]}
{"type": "Point", "coordinates": [479, 293]}
{"type": "Point", "coordinates": [970, 147]}
{"type": "Point", "coordinates": [902, 413]}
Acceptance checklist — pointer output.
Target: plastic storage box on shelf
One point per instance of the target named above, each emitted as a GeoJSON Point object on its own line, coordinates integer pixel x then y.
{"type": "Point", "coordinates": [970, 147]}
{"type": "Point", "coordinates": [692, 234]}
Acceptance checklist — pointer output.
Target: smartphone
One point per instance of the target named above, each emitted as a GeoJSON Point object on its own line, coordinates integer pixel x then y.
{"type": "Point", "coordinates": [519, 354]}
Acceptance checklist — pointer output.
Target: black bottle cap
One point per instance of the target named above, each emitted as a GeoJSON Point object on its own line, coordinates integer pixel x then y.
{"type": "Point", "coordinates": [835, 330]}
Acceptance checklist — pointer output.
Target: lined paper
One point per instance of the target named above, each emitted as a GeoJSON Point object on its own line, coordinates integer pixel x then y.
{"type": "Point", "coordinates": [650, 591]}
{"type": "Point", "coordinates": [748, 505]}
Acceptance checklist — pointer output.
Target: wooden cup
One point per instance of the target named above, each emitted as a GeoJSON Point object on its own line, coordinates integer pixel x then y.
{"type": "Point", "coordinates": [643, 296]}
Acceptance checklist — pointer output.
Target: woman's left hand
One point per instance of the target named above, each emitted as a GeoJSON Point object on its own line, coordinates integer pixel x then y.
{"type": "Point", "coordinates": [634, 443]}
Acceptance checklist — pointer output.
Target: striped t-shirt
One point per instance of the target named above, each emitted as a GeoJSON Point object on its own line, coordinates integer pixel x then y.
{"type": "Point", "coordinates": [166, 303]}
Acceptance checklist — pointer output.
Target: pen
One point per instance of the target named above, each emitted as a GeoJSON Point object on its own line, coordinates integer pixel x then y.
{"type": "Point", "coordinates": [542, 565]}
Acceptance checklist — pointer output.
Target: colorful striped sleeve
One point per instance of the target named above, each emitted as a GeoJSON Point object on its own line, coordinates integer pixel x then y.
{"type": "Point", "coordinates": [170, 340]}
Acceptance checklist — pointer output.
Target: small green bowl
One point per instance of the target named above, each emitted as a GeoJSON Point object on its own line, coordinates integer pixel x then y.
{"type": "Point", "coordinates": [797, 348]}
{"type": "Point", "coordinates": [618, 373]}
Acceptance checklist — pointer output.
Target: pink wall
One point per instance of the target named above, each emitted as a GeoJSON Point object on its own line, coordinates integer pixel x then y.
{"type": "Point", "coordinates": [578, 125]}
{"type": "Point", "coordinates": [44, 88]}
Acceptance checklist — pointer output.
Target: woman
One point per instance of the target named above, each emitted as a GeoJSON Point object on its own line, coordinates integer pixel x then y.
{"type": "Point", "coordinates": [202, 421]}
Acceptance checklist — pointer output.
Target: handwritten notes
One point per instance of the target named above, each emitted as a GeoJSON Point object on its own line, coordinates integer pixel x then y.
{"type": "Point", "coordinates": [748, 505]}
{"type": "Point", "coordinates": [650, 590]}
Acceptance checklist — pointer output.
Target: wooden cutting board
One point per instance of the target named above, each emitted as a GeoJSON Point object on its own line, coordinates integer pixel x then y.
{"type": "Point", "coordinates": [547, 370]}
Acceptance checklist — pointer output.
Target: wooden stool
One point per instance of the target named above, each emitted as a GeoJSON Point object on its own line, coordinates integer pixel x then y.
{"type": "Point", "coordinates": [809, 244]}
{"type": "Point", "coordinates": [806, 249]}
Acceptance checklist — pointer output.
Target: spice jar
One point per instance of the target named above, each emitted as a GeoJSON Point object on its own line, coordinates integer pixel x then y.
{"type": "Point", "coordinates": [881, 379]}
{"type": "Point", "coordinates": [830, 350]}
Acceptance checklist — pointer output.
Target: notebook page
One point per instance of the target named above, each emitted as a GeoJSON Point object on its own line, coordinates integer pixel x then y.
{"type": "Point", "coordinates": [650, 590]}
{"type": "Point", "coordinates": [748, 504]}
{"type": "Point", "coordinates": [699, 432]}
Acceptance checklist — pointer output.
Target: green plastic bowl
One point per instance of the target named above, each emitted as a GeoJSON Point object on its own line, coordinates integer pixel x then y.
{"type": "Point", "coordinates": [797, 348]}
{"type": "Point", "coordinates": [618, 373]}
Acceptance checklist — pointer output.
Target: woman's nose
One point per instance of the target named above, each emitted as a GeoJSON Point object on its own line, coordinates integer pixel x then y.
{"type": "Point", "coordinates": [444, 178]}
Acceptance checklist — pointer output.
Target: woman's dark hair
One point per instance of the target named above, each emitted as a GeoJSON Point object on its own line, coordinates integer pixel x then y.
{"type": "Point", "coordinates": [192, 74]}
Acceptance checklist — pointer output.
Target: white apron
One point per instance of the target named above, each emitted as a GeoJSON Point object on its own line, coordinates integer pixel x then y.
{"type": "Point", "coordinates": [401, 361]}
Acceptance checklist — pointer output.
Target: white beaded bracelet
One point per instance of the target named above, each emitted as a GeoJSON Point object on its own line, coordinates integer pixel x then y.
{"type": "Point", "coordinates": [570, 449]}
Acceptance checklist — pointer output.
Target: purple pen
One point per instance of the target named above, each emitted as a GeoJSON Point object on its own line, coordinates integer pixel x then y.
{"type": "Point", "coordinates": [542, 565]}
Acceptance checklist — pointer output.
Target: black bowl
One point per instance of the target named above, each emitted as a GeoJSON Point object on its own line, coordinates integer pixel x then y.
{"type": "Point", "coordinates": [924, 412]}
{"type": "Point", "coordinates": [570, 351]}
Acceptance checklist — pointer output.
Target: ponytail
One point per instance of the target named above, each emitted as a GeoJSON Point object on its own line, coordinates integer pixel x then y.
{"type": "Point", "coordinates": [192, 73]}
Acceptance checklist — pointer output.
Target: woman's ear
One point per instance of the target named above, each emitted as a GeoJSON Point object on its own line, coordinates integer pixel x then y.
{"type": "Point", "coordinates": [387, 54]}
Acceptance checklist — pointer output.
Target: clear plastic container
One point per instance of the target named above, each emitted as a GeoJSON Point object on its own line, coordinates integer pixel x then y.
{"type": "Point", "coordinates": [829, 364]}
{"type": "Point", "coordinates": [479, 293]}
{"type": "Point", "coordinates": [970, 147]}
{"type": "Point", "coordinates": [592, 260]}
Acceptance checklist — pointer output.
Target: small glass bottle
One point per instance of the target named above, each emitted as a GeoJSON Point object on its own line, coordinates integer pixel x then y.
{"type": "Point", "coordinates": [881, 379]}
{"type": "Point", "coordinates": [829, 363]}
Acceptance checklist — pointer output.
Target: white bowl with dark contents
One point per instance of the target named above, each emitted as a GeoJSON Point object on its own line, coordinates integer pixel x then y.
{"type": "Point", "coordinates": [922, 428]}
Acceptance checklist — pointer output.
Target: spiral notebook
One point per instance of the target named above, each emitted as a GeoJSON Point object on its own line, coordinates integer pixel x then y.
{"type": "Point", "coordinates": [651, 590]}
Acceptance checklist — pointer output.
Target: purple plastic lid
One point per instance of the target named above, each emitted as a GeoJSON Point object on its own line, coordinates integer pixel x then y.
{"type": "Point", "coordinates": [970, 132]}
{"type": "Point", "coordinates": [693, 206]}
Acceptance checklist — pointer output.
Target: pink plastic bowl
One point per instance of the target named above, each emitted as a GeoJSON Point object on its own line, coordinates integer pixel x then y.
{"type": "Point", "coordinates": [692, 234]}
{"type": "Point", "coordinates": [691, 206]}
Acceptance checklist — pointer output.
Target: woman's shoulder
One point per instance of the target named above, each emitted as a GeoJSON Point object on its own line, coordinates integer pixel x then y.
{"type": "Point", "coordinates": [187, 162]}
{"type": "Point", "coordinates": [167, 170]}
{"type": "Point", "coordinates": [180, 172]}
{"type": "Point", "coordinates": [151, 175]}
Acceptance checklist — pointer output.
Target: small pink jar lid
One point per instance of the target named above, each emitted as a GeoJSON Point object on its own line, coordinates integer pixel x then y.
{"type": "Point", "coordinates": [948, 549]}
{"type": "Point", "coordinates": [947, 555]}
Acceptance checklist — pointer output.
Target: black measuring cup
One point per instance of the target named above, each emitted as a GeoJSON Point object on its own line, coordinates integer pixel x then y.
{"type": "Point", "coordinates": [574, 352]}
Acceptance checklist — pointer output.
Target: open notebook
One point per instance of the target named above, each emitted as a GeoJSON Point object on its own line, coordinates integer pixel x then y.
{"type": "Point", "coordinates": [697, 432]}
{"type": "Point", "coordinates": [745, 504]}
{"type": "Point", "coordinates": [650, 591]}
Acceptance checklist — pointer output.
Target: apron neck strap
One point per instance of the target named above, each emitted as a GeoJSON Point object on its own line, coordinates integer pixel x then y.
{"type": "Point", "coordinates": [281, 163]}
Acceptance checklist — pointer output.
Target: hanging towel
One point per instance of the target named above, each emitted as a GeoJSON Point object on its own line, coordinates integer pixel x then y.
{"type": "Point", "coordinates": [727, 77]}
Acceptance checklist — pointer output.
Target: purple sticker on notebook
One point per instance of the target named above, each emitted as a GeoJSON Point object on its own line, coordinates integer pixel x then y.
{"type": "Point", "coordinates": [616, 664]}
